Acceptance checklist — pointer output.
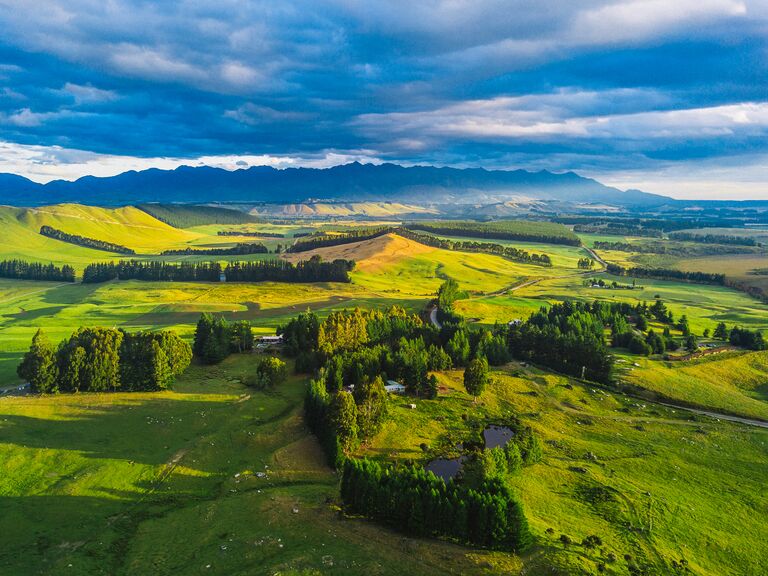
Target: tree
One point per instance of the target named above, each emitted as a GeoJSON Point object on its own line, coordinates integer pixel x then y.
{"type": "Point", "coordinates": [458, 348]}
{"type": "Point", "coordinates": [690, 343]}
{"type": "Point", "coordinates": [270, 372]}
{"type": "Point", "coordinates": [71, 362]}
{"type": "Point", "coordinates": [371, 399]}
{"type": "Point", "coordinates": [38, 367]}
{"type": "Point", "coordinates": [641, 323]}
{"type": "Point", "coordinates": [431, 387]}
{"type": "Point", "coordinates": [476, 376]}
{"type": "Point", "coordinates": [447, 295]}
{"type": "Point", "coordinates": [241, 336]}
{"type": "Point", "coordinates": [683, 326]}
{"type": "Point", "coordinates": [721, 331]}
{"type": "Point", "coordinates": [343, 416]}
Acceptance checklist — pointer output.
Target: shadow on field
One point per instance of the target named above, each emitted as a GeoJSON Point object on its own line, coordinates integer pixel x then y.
{"type": "Point", "coordinates": [28, 315]}
{"type": "Point", "coordinates": [75, 293]}
{"type": "Point", "coordinates": [141, 432]}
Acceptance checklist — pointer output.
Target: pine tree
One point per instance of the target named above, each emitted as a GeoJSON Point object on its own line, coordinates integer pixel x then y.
{"type": "Point", "coordinates": [343, 414]}
{"type": "Point", "coordinates": [38, 366]}
{"type": "Point", "coordinates": [721, 331]}
{"type": "Point", "coordinates": [476, 377]}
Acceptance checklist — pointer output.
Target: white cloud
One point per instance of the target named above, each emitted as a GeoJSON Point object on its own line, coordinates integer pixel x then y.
{"type": "Point", "coordinates": [549, 117]}
{"type": "Point", "coordinates": [88, 94]}
{"type": "Point", "coordinates": [46, 163]}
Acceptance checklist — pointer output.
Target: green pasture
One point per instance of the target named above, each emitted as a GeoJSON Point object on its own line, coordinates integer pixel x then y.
{"type": "Point", "coordinates": [651, 482]}
{"type": "Point", "coordinates": [212, 478]}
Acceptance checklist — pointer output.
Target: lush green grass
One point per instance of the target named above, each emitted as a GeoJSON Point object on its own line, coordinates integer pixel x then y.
{"type": "Point", "coordinates": [704, 305]}
{"type": "Point", "coordinates": [729, 382]}
{"type": "Point", "coordinates": [166, 483]}
{"type": "Point", "coordinates": [676, 484]}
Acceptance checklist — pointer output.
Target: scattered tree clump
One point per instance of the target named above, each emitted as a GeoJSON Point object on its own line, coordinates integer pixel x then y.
{"type": "Point", "coordinates": [22, 270]}
{"type": "Point", "coordinates": [105, 360]}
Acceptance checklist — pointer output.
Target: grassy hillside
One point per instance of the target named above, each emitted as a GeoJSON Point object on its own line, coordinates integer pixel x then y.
{"type": "Point", "coordinates": [183, 216]}
{"type": "Point", "coordinates": [216, 478]}
{"type": "Point", "coordinates": [652, 483]}
{"type": "Point", "coordinates": [731, 383]}
{"type": "Point", "coordinates": [168, 483]}
{"type": "Point", "coordinates": [127, 226]}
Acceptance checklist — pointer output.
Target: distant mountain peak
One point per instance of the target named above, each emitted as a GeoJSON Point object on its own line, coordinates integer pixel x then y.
{"type": "Point", "coordinates": [354, 181]}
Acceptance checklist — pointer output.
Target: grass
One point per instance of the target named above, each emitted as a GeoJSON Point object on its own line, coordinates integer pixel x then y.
{"type": "Point", "coordinates": [673, 484]}
{"type": "Point", "coordinates": [167, 483]}
{"type": "Point", "coordinates": [173, 482]}
{"type": "Point", "coordinates": [731, 383]}
{"type": "Point", "coordinates": [704, 305]}
{"type": "Point", "coordinates": [145, 483]}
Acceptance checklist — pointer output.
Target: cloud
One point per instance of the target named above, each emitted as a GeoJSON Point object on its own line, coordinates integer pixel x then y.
{"type": "Point", "coordinates": [46, 163]}
{"type": "Point", "coordinates": [596, 85]}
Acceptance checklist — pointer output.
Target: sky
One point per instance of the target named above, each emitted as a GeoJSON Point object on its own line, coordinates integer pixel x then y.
{"type": "Point", "coordinates": [668, 96]}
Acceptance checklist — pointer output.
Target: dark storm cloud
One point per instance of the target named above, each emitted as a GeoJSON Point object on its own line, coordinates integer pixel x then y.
{"type": "Point", "coordinates": [506, 83]}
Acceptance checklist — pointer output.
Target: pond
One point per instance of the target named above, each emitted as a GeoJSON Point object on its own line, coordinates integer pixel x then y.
{"type": "Point", "coordinates": [446, 468]}
{"type": "Point", "coordinates": [497, 436]}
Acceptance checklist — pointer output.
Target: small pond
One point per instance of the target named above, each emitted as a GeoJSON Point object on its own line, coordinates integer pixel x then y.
{"type": "Point", "coordinates": [445, 468]}
{"type": "Point", "coordinates": [448, 468]}
{"type": "Point", "coordinates": [497, 436]}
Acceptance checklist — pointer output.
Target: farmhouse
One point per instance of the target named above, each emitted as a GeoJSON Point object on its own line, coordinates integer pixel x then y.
{"type": "Point", "coordinates": [394, 387]}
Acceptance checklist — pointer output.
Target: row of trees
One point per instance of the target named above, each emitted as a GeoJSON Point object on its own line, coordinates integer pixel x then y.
{"type": "Point", "coordinates": [238, 249]}
{"type": "Point", "coordinates": [313, 270]}
{"type": "Point", "coordinates": [417, 502]}
{"type": "Point", "coordinates": [104, 360]}
{"type": "Point", "coordinates": [216, 338]}
{"type": "Point", "coordinates": [749, 339]}
{"type": "Point", "coordinates": [522, 230]}
{"type": "Point", "coordinates": [715, 239]}
{"type": "Point", "coordinates": [323, 240]}
{"type": "Point", "coordinates": [509, 252]}
{"type": "Point", "coordinates": [667, 274]}
{"type": "Point", "coordinates": [23, 270]}
{"type": "Point", "coordinates": [251, 234]}
{"type": "Point", "coordinates": [51, 232]}
{"type": "Point", "coordinates": [586, 263]}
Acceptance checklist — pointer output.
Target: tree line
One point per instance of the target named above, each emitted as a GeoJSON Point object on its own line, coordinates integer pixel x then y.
{"type": "Point", "coordinates": [411, 500]}
{"type": "Point", "coordinates": [715, 239]}
{"type": "Point", "coordinates": [51, 232]}
{"type": "Point", "coordinates": [239, 249]}
{"type": "Point", "coordinates": [313, 270]}
{"type": "Point", "coordinates": [314, 241]}
{"type": "Point", "coordinates": [253, 234]}
{"type": "Point", "coordinates": [509, 252]}
{"type": "Point", "coordinates": [186, 216]}
{"type": "Point", "coordinates": [668, 274]}
{"type": "Point", "coordinates": [522, 230]}
{"type": "Point", "coordinates": [104, 360]}
{"type": "Point", "coordinates": [23, 270]}
{"type": "Point", "coordinates": [566, 337]}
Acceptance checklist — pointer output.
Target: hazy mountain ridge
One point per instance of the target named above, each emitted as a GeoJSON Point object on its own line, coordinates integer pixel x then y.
{"type": "Point", "coordinates": [349, 182]}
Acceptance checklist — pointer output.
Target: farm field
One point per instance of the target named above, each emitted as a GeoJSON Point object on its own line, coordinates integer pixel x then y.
{"type": "Point", "coordinates": [661, 473]}
{"type": "Point", "coordinates": [211, 478]}
{"type": "Point", "coordinates": [729, 382]}
{"type": "Point", "coordinates": [217, 478]}
{"type": "Point", "coordinates": [705, 305]}
{"type": "Point", "coordinates": [214, 477]}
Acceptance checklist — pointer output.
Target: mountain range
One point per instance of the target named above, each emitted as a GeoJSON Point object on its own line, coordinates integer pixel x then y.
{"type": "Point", "coordinates": [348, 182]}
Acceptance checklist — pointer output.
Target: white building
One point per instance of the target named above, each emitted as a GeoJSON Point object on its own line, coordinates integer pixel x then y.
{"type": "Point", "coordinates": [394, 387]}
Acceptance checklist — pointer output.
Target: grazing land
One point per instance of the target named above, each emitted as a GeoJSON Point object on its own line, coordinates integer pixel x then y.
{"type": "Point", "coordinates": [216, 476]}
